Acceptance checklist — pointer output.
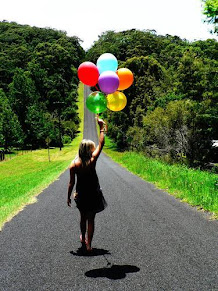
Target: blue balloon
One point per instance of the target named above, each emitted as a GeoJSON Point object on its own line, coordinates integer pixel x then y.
{"type": "Point", "coordinates": [107, 62]}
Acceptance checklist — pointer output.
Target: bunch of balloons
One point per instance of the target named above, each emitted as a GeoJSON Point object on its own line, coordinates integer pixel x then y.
{"type": "Point", "coordinates": [110, 80]}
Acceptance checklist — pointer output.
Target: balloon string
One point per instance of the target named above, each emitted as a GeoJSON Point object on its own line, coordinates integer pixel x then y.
{"type": "Point", "coordinates": [96, 87]}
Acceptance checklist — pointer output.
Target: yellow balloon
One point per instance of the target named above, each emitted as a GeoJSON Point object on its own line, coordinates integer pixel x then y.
{"type": "Point", "coordinates": [116, 101]}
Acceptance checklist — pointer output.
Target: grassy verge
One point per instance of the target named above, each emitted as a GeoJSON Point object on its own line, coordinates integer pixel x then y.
{"type": "Point", "coordinates": [14, 153]}
{"type": "Point", "coordinates": [196, 187]}
{"type": "Point", "coordinates": [25, 176]}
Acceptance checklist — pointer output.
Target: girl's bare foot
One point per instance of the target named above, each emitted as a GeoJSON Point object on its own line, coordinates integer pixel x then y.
{"type": "Point", "coordinates": [81, 239]}
{"type": "Point", "coordinates": [88, 247]}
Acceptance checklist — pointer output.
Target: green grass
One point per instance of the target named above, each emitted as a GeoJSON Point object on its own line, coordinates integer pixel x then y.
{"type": "Point", "coordinates": [198, 188]}
{"type": "Point", "coordinates": [25, 176]}
{"type": "Point", "coordinates": [14, 153]}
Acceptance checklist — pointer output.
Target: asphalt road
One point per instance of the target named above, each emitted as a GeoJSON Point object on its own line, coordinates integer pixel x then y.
{"type": "Point", "coordinates": [144, 240]}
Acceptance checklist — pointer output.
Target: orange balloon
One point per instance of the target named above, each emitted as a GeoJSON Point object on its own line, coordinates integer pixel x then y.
{"type": "Point", "coordinates": [125, 77]}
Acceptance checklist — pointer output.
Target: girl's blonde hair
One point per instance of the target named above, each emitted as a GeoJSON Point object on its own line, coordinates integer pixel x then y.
{"type": "Point", "coordinates": [85, 151]}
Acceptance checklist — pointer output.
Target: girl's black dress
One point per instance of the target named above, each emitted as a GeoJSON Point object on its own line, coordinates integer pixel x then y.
{"type": "Point", "coordinates": [89, 195]}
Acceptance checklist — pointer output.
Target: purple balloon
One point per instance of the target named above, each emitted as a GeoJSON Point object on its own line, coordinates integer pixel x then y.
{"type": "Point", "coordinates": [108, 82]}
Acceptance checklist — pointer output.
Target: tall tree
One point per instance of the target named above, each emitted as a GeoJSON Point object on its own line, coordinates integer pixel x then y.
{"type": "Point", "coordinates": [22, 94]}
{"type": "Point", "coordinates": [192, 79]}
{"type": "Point", "coordinates": [10, 130]}
{"type": "Point", "coordinates": [38, 73]}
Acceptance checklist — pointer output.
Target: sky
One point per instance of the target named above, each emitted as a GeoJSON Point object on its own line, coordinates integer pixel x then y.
{"type": "Point", "coordinates": [87, 19]}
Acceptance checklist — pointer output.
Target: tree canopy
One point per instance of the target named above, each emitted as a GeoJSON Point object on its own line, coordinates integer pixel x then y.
{"type": "Point", "coordinates": [38, 81]}
{"type": "Point", "coordinates": [172, 105]}
{"type": "Point", "coordinates": [211, 12]}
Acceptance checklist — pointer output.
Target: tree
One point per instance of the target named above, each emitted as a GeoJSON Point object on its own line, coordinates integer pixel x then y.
{"type": "Point", "coordinates": [22, 94]}
{"type": "Point", "coordinates": [192, 76]}
{"type": "Point", "coordinates": [39, 126]}
{"type": "Point", "coordinates": [211, 12]}
{"type": "Point", "coordinates": [38, 67]}
{"type": "Point", "coordinates": [10, 130]}
{"type": "Point", "coordinates": [183, 129]}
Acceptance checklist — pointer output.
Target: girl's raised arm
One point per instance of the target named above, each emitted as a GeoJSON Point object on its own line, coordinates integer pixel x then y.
{"type": "Point", "coordinates": [99, 148]}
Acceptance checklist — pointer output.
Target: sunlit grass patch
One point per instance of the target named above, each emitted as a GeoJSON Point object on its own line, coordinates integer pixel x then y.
{"type": "Point", "coordinates": [27, 175]}
{"type": "Point", "coordinates": [198, 188]}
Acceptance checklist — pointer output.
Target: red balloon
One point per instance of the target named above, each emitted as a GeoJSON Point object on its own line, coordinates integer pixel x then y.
{"type": "Point", "coordinates": [88, 73]}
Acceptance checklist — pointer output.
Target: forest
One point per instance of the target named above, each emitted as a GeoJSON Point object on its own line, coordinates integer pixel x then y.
{"type": "Point", "coordinates": [38, 86]}
{"type": "Point", "coordinates": [171, 113]}
{"type": "Point", "coordinates": [172, 107]}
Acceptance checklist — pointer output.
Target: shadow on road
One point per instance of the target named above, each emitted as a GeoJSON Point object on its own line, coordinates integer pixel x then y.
{"type": "Point", "coordinates": [114, 272]}
{"type": "Point", "coordinates": [95, 252]}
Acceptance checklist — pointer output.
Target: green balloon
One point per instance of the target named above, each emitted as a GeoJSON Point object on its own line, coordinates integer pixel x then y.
{"type": "Point", "coordinates": [96, 102]}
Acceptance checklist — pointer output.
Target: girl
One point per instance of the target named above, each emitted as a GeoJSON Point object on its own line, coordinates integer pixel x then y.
{"type": "Point", "coordinates": [88, 196]}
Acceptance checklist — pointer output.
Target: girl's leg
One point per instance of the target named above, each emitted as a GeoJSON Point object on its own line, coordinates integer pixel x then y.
{"type": "Point", "coordinates": [91, 229]}
{"type": "Point", "coordinates": [83, 219]}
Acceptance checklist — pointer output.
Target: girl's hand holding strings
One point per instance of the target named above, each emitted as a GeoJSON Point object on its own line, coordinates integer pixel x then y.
{"type": "Point", "coordinates": [101, 123]}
